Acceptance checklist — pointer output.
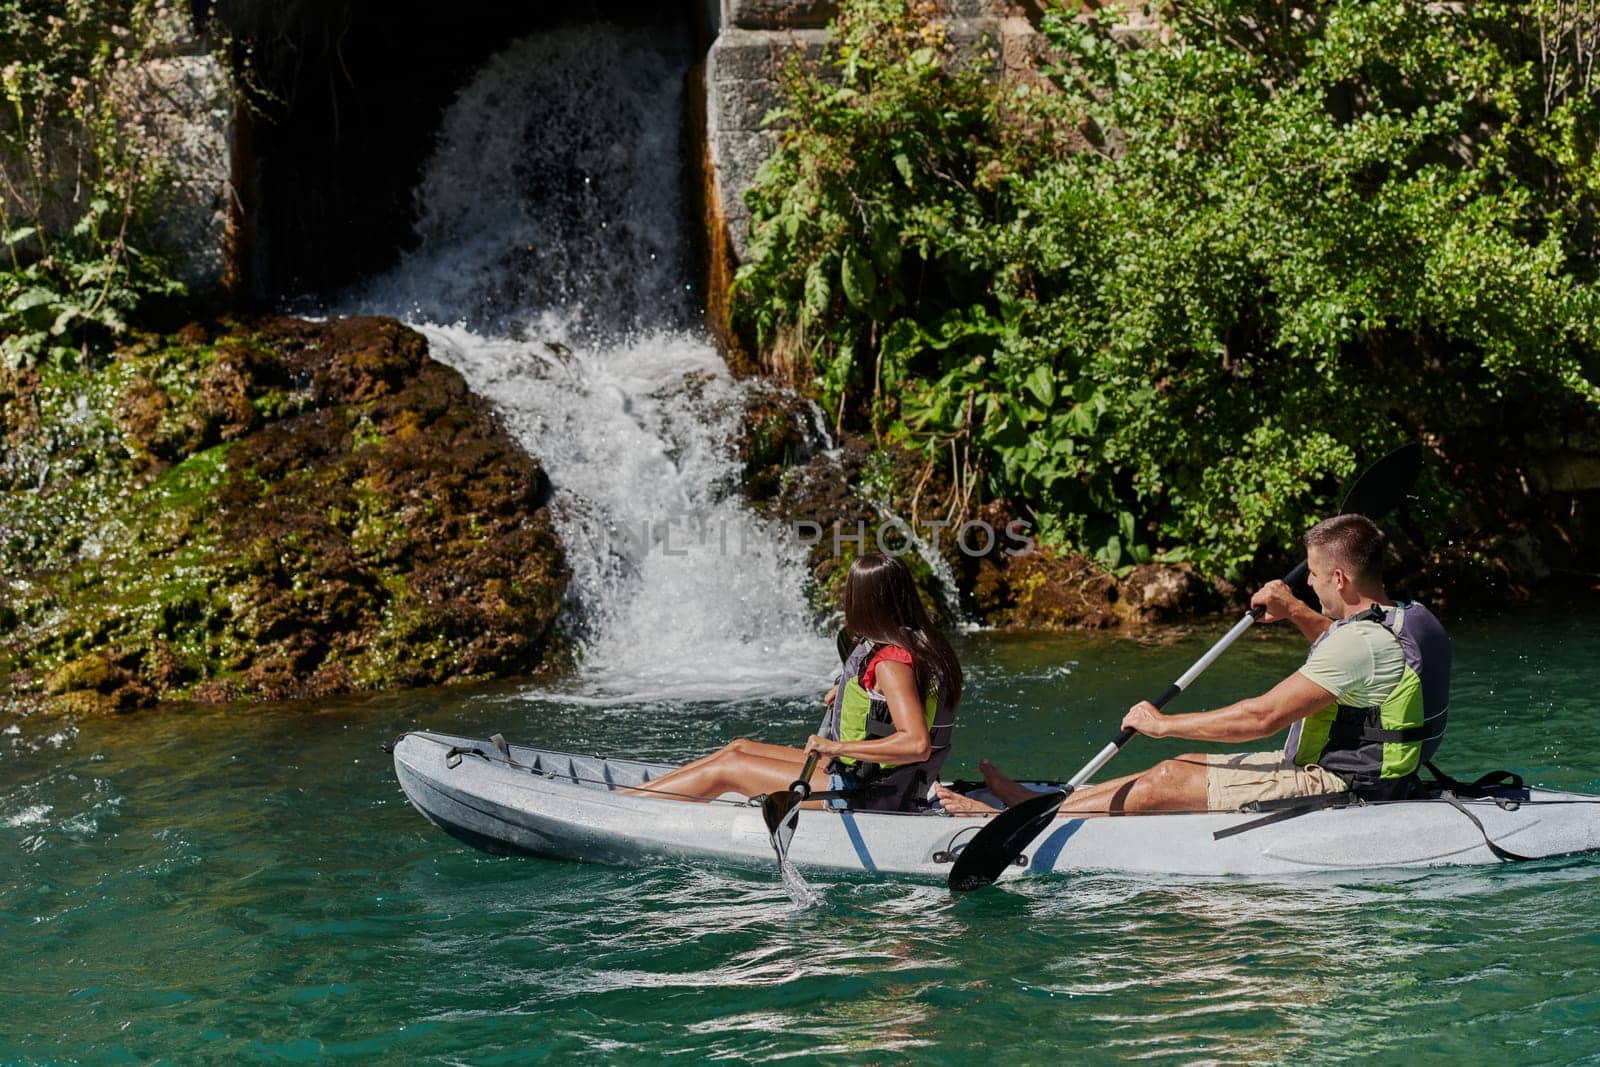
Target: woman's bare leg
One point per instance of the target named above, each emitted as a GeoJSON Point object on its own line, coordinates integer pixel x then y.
{"type": "Point", "coordinates": [742, 766]}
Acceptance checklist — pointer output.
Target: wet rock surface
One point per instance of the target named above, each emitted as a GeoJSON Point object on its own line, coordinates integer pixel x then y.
{"type": "Point", "coordinates": [777, 430]}
{"type": "Point", "coordinates": [268, 510]}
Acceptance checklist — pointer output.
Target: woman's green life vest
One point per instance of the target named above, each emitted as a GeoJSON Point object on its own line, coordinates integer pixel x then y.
{"type": "Point", "coordinates": [862, 714]}
{"type": "Point", "coordinates": [1377, 748]}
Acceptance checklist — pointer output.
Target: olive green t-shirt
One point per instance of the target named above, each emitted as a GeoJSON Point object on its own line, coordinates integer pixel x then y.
{"type": "Point", "coordinates": [1360, 663]}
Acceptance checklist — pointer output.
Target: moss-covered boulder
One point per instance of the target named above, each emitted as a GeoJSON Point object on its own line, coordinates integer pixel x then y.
{"type": "Point", "coordinates": [263, 511]}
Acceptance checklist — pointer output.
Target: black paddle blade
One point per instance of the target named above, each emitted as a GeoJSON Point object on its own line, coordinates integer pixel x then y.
{"type": "Point", "coordinates": [1378, 491]}
{"type": "Point", "coordinates": [1382, 487]}
{"type": "Point", "coordinates": [782, 812]}
{"type": "Point", "coordinates": [997, 846]}
{"type": "Point", "coordinates": [777, 807]}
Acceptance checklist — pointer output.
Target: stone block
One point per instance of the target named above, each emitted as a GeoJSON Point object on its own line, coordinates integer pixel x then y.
{"type": "Point", "coordinates": [743, 67]}
{"type": "Point", "coordinates": [742, 105]}
{"type": "Point", "coordinates": [751, 55]}
{"type": "Point", "coordinates": [782, 14]}
{"type": "Point", "coordinates": [736, 157]}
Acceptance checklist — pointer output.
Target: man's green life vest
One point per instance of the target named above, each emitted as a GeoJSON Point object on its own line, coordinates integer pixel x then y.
{"type": "Point", "coordinates": [1378, 749]}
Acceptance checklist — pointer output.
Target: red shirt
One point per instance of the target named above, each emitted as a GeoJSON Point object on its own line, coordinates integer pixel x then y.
{"type": "Point", "coordinates": [888, 652]}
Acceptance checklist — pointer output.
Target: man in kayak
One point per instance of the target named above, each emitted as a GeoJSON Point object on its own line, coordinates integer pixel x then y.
{"type": "Point", "coordinates": [1365, 710]}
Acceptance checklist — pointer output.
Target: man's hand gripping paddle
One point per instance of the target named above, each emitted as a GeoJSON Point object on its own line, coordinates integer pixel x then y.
{"type": "Point", "coordinates": [1001, 841]}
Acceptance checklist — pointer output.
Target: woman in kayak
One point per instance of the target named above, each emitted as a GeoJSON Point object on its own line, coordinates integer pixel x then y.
{"type": "Point", "coordinates": [889, 720]}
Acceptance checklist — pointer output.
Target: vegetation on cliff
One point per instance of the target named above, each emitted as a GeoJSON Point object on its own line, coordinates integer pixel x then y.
{"type": "Point", "coordinates": [82, 182]}
{"type": "Point", "coordinates": [1164, 297]}
{"type": "Point", "coordinates": [285, 509]}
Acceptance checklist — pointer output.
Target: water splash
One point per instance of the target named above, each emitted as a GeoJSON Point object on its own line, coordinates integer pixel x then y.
{"type": "Point", "coordinates": [678, 589]}
{"type": "Point", "coordinates": [798, 888]}
{"type": "Point", "coordinates": [557, 184]}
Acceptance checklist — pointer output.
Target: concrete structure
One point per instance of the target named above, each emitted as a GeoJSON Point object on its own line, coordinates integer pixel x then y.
{"type": "Point", "coordinates": [175, 107]}
{"type": "Point", "coordinates": [186, 103]}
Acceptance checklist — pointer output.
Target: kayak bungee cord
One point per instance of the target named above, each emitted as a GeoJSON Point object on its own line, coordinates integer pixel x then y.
{"type": "Point", "coordinates": [453, 754]}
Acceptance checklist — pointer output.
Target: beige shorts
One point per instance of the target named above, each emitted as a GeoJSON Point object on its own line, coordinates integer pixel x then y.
{"type": "Point", "coordinates": [1234, 779]}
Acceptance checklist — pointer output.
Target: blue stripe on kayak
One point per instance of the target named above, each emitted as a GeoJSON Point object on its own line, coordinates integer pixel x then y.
{"type": "Point", "coordinates": [854, 831]}
{"type": "Point", "coordinates": [1044, 858]}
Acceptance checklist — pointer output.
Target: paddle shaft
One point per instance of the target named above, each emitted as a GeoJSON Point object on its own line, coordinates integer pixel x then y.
{"type": "Point", "coordinates": [781, 811]}
{"type": "Point", "coordinates": [802, 785]}
{"type": "Point", "coordinates": [1187, 679]}
{"type": "Point", "coordinates": [1378, 489]}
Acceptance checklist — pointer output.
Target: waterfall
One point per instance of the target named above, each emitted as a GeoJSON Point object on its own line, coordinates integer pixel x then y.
{"type": "Point", "coordinates": [553, 272]}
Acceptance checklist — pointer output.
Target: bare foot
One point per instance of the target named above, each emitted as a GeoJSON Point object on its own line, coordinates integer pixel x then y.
{"type": "Point", "coordinates": [1002, 786]}
{"type": "Point", "coordinates": [959, 803]}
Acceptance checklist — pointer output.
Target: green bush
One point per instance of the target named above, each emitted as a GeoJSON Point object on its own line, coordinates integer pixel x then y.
{"type": "Point", "coordinates": [1166, 295]}
{"type": "Point", "coordinates": [76, 177]}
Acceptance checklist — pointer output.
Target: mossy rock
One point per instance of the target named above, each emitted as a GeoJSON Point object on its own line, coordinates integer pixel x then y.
{"type": "Point", "coordinates": [267, 510]}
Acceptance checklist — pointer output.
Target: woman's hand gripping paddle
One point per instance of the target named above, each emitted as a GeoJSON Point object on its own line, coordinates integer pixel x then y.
{"type": "Point", "coordinates": [997, 846]}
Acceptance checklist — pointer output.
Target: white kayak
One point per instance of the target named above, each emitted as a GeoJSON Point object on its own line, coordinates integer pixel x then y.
{"type": "Point", "coordinates": [557, 804]}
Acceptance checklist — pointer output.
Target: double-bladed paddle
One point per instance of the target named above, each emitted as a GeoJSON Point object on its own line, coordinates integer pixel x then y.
{"type": "Point", "coordinates": [1001, 841]}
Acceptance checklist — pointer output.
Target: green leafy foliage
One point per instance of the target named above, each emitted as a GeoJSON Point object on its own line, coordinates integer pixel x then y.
{"type": "Point", "coordinates": [1166, 295]}
{"type": "Point", "coordinates": [76, 177]}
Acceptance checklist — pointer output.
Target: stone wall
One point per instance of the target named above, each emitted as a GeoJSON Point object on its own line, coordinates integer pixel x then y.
{"type": "Point", "coordinates": [185, 102]}
{"type": "Point", "coordinates": [184, 105]}
{"type": "Point", "coordinates": [176, 108]}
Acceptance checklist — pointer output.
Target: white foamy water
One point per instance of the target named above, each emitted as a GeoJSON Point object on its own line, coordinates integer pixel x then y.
{"type": "Point", "coordinates": [29, 816]}
{"type": "Point", "coordinates": [553, 272]}
{"type": "Point", "coordinates": [799, 890]}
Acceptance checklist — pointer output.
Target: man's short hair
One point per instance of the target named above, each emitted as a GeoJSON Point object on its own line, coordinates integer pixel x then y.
{"type": "Point", "coordinates": [1354, 543]}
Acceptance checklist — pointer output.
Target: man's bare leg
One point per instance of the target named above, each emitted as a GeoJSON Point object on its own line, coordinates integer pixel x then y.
{"type": "Point", "coordinates": [961, 804]}
{"type": "Point", "coordinates": [996, 781]}
{"type": "Point", "coordinates": [1003, 785]}
{"type": "Point", "coordinates": [1171, 785]}
{"type": "Point", "coordinates": [1177, 784]}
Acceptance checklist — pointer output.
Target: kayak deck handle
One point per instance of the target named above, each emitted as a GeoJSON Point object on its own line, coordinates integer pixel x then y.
{"type": "Point", "coordinates": [950, 857]}
{"type": "Point", "coordinates": [452, 758]}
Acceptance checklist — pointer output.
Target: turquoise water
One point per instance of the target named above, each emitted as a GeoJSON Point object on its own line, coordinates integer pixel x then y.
{"type": "Point", "coordinates": [249, 885]}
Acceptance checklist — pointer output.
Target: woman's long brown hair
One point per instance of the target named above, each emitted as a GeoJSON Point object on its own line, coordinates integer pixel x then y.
{"type": "Point", "coordinates": [881, 605]}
